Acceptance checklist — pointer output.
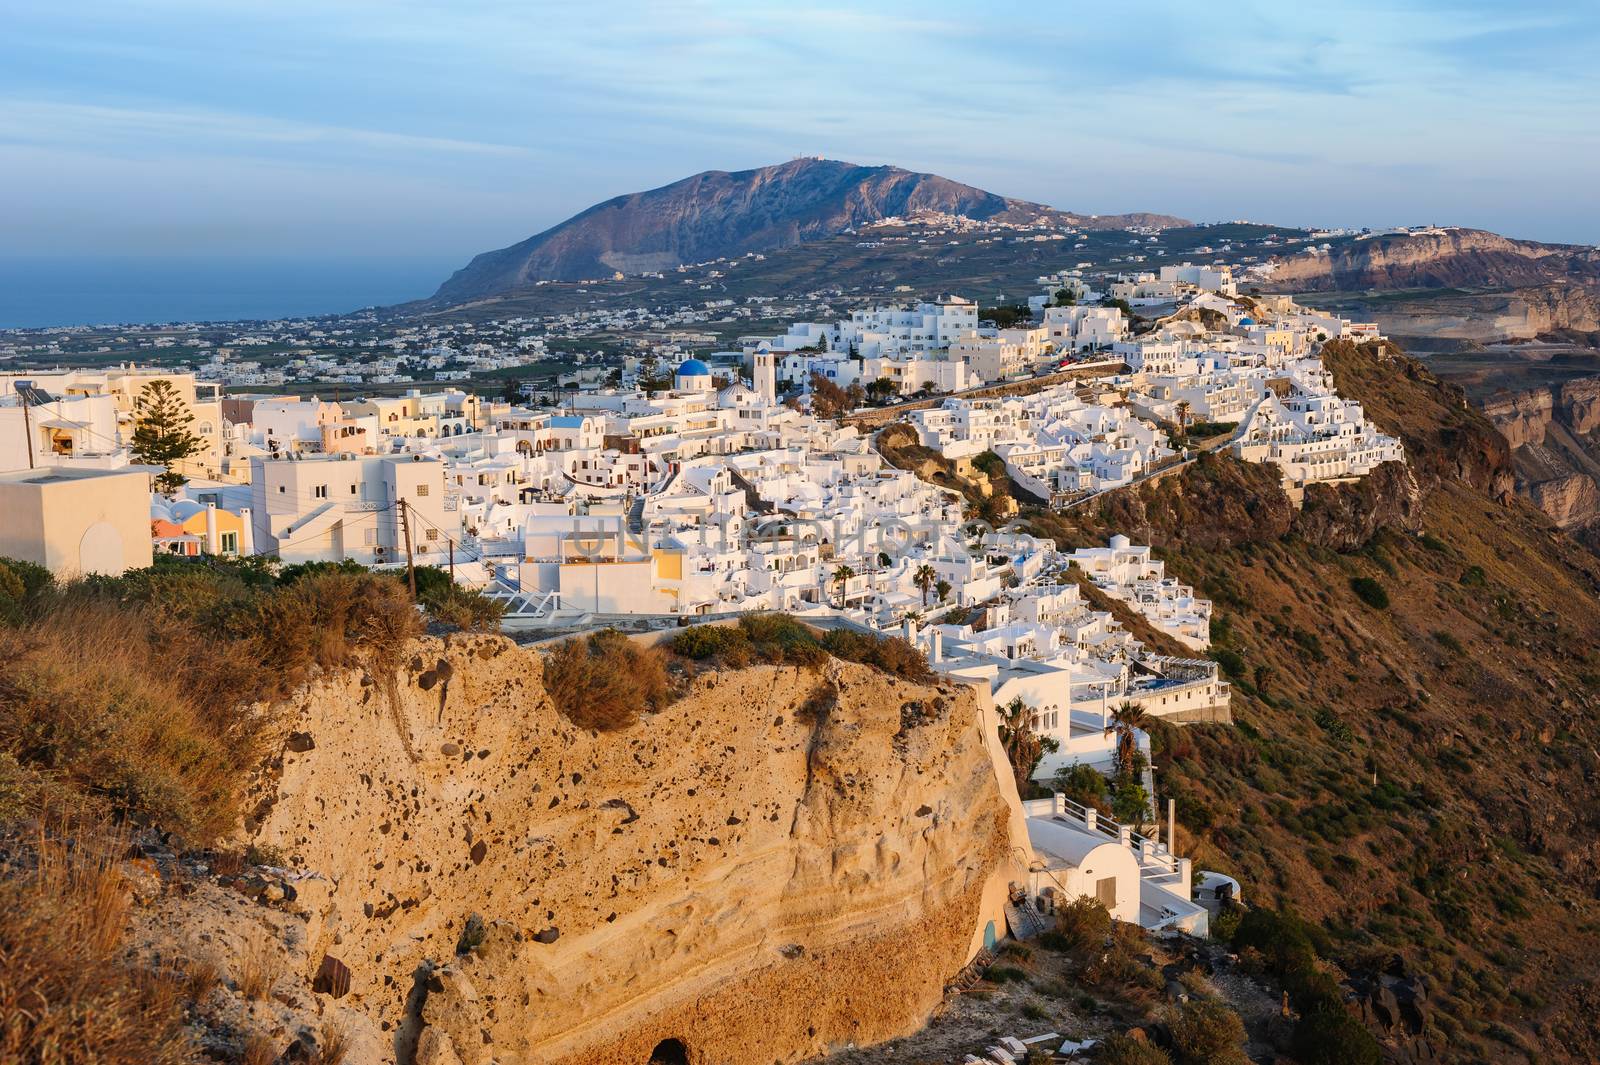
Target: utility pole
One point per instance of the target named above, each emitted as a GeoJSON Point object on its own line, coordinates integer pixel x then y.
{"type": "Point", "coordinates": [27, 428]}
{"type": "Point", "coordinates": [452, 561]}
{"type": "Point", "coordinates": [411, 566]}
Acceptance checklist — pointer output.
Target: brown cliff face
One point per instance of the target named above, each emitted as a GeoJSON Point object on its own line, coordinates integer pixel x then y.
{"type": "Point", "coordinates": [781, 862]}
{"type": "Point", "coordinates": [1464, 258]}
{"type": "Point", "coordinates": [1554, 433]}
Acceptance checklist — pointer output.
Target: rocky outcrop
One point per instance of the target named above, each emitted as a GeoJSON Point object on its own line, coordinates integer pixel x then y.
{"type": "Point", "coordinates": [1521, 417]}
{"type": "Point", "coordinates": [1554, 434]}
{"type": "Point", "coordinates": [1570, 500]}
{"type": "Point", "coordinates": [781, 862]}
{"type": "Point", "coordinates": [716, 214]}
{"type": "Point", "coordinates": [1579, 403]}
{"type": "Point", "coordinates": [1343, 517]}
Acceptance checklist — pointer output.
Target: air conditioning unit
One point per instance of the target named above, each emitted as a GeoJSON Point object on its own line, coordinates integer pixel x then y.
{"type": "Point", "coordinates": [380, 553]}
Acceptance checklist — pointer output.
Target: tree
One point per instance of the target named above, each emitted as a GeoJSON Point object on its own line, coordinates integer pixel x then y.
{"type": "Point", "coordinates": [841, 576]}
{"type": "Point", "coordinates": [1007, 315]}
{"type": "Point", "coordinates": [1065, 298]}
{"type": "Point", "coordinates": [161, 435]}
{"type": "Point", "coordinates": [925, 575]}
{"type": "Point", "coordinates": [1126, 722]}
{"type": "Point", "coordinates": [942, 589]}
{"type": "Point", "coordinates": [880, 389]}
{"type": "Point", "coordinates": [512, 391]}
{"type": "Point", "coordinates": [828, 400]}
{"type": "Point", "coordinates": [1023, 746]}
{"type": "Point", "coordinates": [855, 395]}
{"type": "Point", "coordinates": [1183, 410]}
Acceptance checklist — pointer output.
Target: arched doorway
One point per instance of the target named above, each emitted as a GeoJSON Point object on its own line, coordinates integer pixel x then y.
{"type": "Point", "coordinates": [670, 1052]}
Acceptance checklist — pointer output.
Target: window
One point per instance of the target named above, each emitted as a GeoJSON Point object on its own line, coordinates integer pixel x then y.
{"type": "Point", "coordinates": [320, 491]}
{"type": "Point", "coordinates": [433, 534]}
{"type": "Point", "coordinates": [281, 489]}
{"type": "Point", "coordinates": [372, 537]}
{"type": "Point", "coordinates": [422, 489]}
{"type": "Point", "coordinates": [352, 489]}
{"type": "Point", "coordinates": [230, 543]}
{"type": "Point", "coordinates": [1105, 890]}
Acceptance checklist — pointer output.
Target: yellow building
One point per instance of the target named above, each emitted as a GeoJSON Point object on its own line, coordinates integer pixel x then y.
{"type": "Point", "coordinates": [75, 521]}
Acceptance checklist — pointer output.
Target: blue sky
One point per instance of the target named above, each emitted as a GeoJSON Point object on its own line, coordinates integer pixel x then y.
{"type": "Point", "coordinates": [350, 130]}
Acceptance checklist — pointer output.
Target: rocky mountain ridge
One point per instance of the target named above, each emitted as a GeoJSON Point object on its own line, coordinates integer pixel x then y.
{"type": "Point", "coordinates": [716, 213]}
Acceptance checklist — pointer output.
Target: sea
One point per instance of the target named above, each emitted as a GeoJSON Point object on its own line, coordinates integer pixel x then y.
{"type": "Point", "coordinates": [39, 292]}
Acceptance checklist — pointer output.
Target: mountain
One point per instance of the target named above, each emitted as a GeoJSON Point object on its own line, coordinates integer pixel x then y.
{"type": "Point", "coordinates": [716, 214]}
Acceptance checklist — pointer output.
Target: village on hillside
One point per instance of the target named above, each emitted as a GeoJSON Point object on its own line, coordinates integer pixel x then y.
{"type": "Point", "coordinates": [839, 471]}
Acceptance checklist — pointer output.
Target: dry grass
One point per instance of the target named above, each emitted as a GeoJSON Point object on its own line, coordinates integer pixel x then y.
{"type": "Point", "coordinates": [258, 1050]}
{"type": "Point", "coordinates": [140, 705]}
{"type": "Point", "coordinates": [64, 995]}
{"type": "Point", "coordinates": [333, 1045]}
{"type": "Point", "coordinates": [258, 967]}
{"type": "Point", "coordinates": [605, 681]}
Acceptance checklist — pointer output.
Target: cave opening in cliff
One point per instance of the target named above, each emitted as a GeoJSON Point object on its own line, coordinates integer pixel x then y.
{"type": "Point", "coordinates": [670, 1052]}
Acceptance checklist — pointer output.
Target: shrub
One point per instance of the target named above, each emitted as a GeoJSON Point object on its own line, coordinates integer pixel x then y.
{"type": "Point", "coordinates": [1208, 1033]}
{"type": "Point", "coordinates": [1333, 1037]}
{"type": "Point", "coordinates": [1474, 577]}
{"type": "Point", "coordinates": [1370, 592]}
{"type": "Point", "coordinates": [780, 639]}
{"type": "Point", "coordinates": [605, 681]}
{"type": "Point", "coordinates": [1082, 927]}
{"type": "Point", "coordinates": [1231, 661]}
{"type": "Point", "coordinates": [463, 608]}
{"type": "Point", "coordinates": [1005, 974]}
{"type": "Point", "coordinates": [1081, 784]}
{"type": "Point", "coordinates": [22, 585]}
{"type": "Point", "coordinates": [1122, 1049]}
{"type": "Point", "coordinates": [891, 654]}
{"type": "Point", "coordinates": [1225, 924]}
{"type": "Point", "coordinates": [727, 645]}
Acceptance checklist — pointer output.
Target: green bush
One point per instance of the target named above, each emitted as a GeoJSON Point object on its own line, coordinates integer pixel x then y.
{"type": "Point", "coordinates": [892, 654]}
{"type": "Point", "coordinates": [1005, 974]}
{"type": "Point", "coordinates": [1225, 924]}
{"type": "Point", "coordinates": [782, 640]}
{"type": "Point", "coordinates": [1333, 1037]}
{"type": "Point", "coordinates": [1082, 927]}
{"type": "Point", "coordinates": [1370, 592]}
{"type": "Point", "coordinates": [22, 586]}
{"type": "Point", "coordinates": [1208, 1033]}
{"type": "Point", "coordinates": [1232, 662]}
{"type": "Point", "coordinates": [726, 644]}
{"type": "Point", "coordinates": [1082, 784]}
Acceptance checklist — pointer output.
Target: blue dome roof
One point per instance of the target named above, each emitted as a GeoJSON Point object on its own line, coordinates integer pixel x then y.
{"type": "Point", "coordinates": [1247, 321]}
{"type": "Point", "coordinates": [694, 368]}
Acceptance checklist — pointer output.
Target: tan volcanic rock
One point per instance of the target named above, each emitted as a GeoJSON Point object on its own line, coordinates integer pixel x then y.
{"type": "Point", "coordinates": [781, 862]}
{"type": "Point", "coordinates": [1521, 417]}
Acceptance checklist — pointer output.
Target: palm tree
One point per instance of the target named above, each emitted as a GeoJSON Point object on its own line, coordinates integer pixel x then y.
{"type": "Point", "coordinates": [942, 590]}
{"type": "Point", "coordinates": [1126, 722]}
{"type": "Point", "coordinates": [925, 576]}
{"type": "Point", "coordinates": [842, 575]}
{"type": "Point", "coordinates": [1183, 415]}
{"type": "Point", "coordinates": [1022, 745]}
